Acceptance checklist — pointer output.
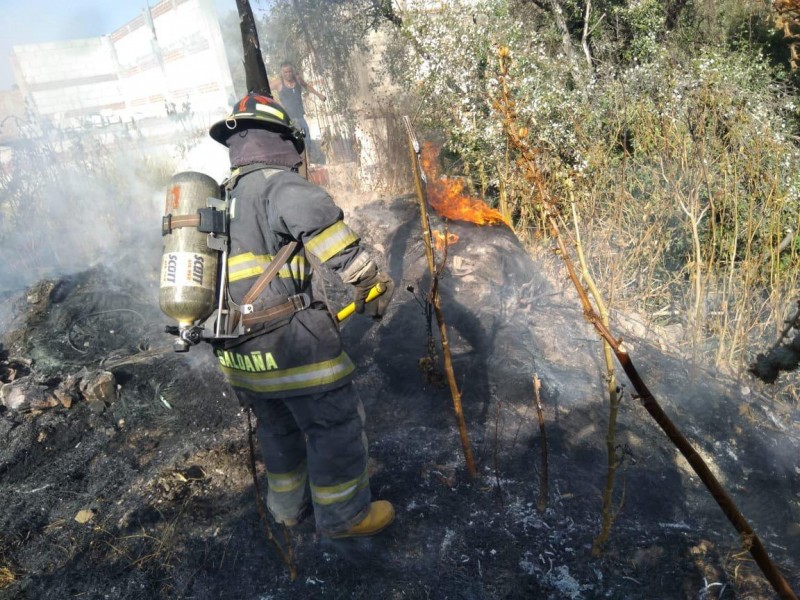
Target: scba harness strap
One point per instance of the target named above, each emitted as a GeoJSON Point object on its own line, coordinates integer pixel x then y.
{"type": "Point", "coordinates": [271, 316]}
{"type": "Point", "coordinates": [207, 220]}
{"type": "Point", "coordinates": [211, 220]}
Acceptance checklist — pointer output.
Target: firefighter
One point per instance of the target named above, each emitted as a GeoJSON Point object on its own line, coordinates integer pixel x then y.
{"type": "Point", "coordinates": [293, 371]}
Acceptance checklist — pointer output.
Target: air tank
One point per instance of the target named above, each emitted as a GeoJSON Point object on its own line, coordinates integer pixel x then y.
{"type": "Point", "coordinates": [188, 266]}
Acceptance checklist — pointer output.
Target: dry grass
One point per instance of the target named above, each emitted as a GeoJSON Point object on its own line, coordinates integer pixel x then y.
{"type": "Point", "coordinates": [7, 577]}
{"type": "Point", "coordinates": [687, 208]}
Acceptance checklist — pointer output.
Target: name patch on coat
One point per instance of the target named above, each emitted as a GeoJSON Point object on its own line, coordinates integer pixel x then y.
{"type": "Point", "coordinates": [253, 362]}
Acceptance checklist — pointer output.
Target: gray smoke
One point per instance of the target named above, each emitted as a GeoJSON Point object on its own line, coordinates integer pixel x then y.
{"type": "Point", "coordinates": [61, 215]}
{"type": "Point", "coordinates": [93, 202]}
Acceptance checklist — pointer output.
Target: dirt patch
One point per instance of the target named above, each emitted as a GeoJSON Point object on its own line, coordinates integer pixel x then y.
{"type": "Point", "coordinates": [158, 476]}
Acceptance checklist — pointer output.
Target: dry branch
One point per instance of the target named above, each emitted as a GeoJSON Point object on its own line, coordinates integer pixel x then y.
{"type": "Point", "coordinates": [286, 555]}
{"type": "Point", "coordinates": [585, 37]}
{"type": "Point", "coordinates": [495, 463]}
{"type": "Point", "coordinates": [543, 475]}
{"type": "Point", "coordinates": [138, 358]}
{"type": "Point", "coordinates": [435, 300]}
{"type": "Point", "coordinates": [614, 398]}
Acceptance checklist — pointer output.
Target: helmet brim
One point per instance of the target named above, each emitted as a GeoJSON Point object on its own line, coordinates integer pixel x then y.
{"type": "Point", "coordinates": [222, 130]}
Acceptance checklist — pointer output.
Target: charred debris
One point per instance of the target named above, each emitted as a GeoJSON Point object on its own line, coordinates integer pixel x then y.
{"type": "Point", "coordinates": [125, 467]}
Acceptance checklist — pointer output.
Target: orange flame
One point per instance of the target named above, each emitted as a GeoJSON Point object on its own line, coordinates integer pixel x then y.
{"type": "Point", "coordinates": [439, 240]}
{"type": "Point", "coordinates": [446, 197]}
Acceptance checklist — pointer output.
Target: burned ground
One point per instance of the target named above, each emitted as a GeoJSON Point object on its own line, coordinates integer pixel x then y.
{"type": "Point", "coordinates": [157, 469]}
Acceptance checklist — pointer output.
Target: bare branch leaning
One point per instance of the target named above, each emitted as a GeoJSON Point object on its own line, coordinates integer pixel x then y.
{"type": "Point", "coordinates": [543, 475]}
{"type": "Point", "coordinates": [414, 150]}
{"type": "Point", "coordinates": [286, 555]}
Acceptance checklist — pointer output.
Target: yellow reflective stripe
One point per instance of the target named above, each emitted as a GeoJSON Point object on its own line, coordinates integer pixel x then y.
{"type": "Point", "coordinates": [244, 266]}
{"type": "Point", "coordinates": [245, 274]}
{"type": "Point", "coordinates": [286, 482]}
{"type": "Point", "coordinates": [332, 494]}
{"type": "Point", "coordinates": [269, 109]}
{"type": "Point", "coordinates": [241, 258]}
{"type": "Point", "coordinates": [331, 241]}
{"type": "Point", "coordinates": [281, 380]}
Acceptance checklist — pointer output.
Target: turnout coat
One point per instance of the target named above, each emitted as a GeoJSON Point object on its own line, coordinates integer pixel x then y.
{"type": "Point", "coordinates": [301, 354]}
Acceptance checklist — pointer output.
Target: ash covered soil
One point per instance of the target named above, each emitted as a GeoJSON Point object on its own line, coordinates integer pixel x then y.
{"type": "Point", "coordinates": [136, 484]}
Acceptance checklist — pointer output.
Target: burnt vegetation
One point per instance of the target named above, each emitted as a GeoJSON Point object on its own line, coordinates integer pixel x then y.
{"type": "Point", "coordinates": [652, 145]}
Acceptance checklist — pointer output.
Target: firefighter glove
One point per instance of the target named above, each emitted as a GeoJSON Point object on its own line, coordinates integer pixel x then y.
{"type": "Point", "coordinates": [377, 307]}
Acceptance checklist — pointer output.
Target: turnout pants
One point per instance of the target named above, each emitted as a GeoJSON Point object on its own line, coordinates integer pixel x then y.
{"type": "Point", "coordinates": [315, 449]}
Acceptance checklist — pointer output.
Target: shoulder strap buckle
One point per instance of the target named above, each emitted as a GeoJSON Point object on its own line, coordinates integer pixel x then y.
{"type": "Point", "coordinates": [300, 301]}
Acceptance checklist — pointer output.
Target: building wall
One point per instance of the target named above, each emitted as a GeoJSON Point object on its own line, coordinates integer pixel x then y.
{"type": "Point", "coordinates": [168, 60]}
{"type": "Point", "coordinates": [12, 108]}
{"type": "Point", "coordinates": [66, 79]}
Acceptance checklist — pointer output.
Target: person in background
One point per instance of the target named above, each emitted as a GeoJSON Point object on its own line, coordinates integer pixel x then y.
{"type": "Point", "coordinates": [290, 89]}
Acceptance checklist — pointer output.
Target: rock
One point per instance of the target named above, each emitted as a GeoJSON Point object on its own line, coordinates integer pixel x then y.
{"type": "Point", "coordinates": [13, 397]}
{"type": "Point", "coordinates": [20, 362]}
{"type": "Point", "coordinates": [98, 407]}
{"type": "Point", "coordinates": [85, 515]}
{"type": "Point", "coordinates": [50, 401]}
{"type": "Point", "coordinates": [66, 399]}
{"type": "Point", "coordinates": [67, 391]}
{"type": "Point", "coordinates": [25, 394]}
{"type": "Point", "coordinates": [40, 292]}
{"type": "Point", "coordinates": [99, 387]}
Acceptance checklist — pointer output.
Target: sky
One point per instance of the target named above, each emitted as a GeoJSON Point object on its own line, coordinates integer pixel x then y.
{"type": "Point", "coordinates": [37, 21]}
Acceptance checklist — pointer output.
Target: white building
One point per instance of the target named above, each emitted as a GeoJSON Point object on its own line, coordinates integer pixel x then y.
{"type": "Point", "coordinates": [170, 60]}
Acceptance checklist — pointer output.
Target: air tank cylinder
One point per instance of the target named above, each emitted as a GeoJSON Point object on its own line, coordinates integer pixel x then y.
{"type": "Point", "coordinates": [188, 266]}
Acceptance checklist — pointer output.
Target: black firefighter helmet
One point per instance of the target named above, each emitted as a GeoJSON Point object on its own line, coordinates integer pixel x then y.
{"type": "Point", "coordinates": [259, 111]}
